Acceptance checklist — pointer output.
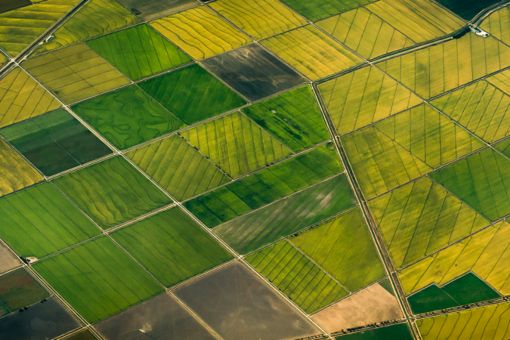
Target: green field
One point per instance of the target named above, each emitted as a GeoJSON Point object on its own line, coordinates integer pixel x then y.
{"type": "Point", "coordinates": [40, 220]}
{"type": "Point", "coordinates": [481, 180]}
{"type": "Point", "coordinates": [480, 107]}
{"type": "Point", "coordinates": [287, 216]}
{"type": "Point", "coordinates": [178, 167]}
{"type": "Point", "coordinates": [504, 147]}
{"type": "Point", "coordinates": [265, 186]}
{"type": "Point", "coordinates": [400, 332]}
{"type": "Point", "coordinates": [420, 218]}
{"type": "Point", "coordinates": [171, 246]}
{"type": "Point", "coordinates": [466, 9]}
{"type": "Point", "coordinates": [379, 163]}
{"type": "Point", "coordinates": [296, 276]}
{"type": "Point", "coordinates": [490, 322]}
{"type": "Point", "coordinates": [97, 17]}
{"type": "Point", "coordinates": [318, 9]}
{"type": "Point", "coordinates": [98, 279]}
{"type": "Point", "coordinates": [111, 192]}
{"type": "Point", "coordinates": [127, 117]}
{"type": "Point", "coordinates": [55, 142]}
{"type": "Point", "coordinates": [192, 94]}
{"type": "Point", "coordinates": [139, 51]}
{"type": "Point", "coordinates": [19, 289]}
{"type": "Point", "coordinates": [236, 144]}
{"type": "Point", "coordinates": [364, 96]}
{"type": "Point", "coordinates": [293, 117]}
{"type": "Point", "coordinates": [344, 248]}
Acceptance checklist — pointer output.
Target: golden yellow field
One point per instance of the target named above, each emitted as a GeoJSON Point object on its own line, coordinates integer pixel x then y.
{"type": "Point", "coordinates": [486, 254]}
{"type": "Point", "coordinates": [22, 98]}
{"type": "Point", "coordinates": [501, 80]}
{"type": "Point", "coordinates": [365, 32]}
{"type": "Point", "coordinates": [15, 172]}
{"type": "Point", "coordinates": [200, 32]}
{"type": "Point", "coordinates": [498, 24]}
{"type": "Point", "coordinates": [420, 20]}
{"type": "Point", "coordinates": [311, 52]}
{"type": "Point", "coordinates": [260, 19]}
{"type": "Point", "coordinates": [490, 322]}
{"type": "Point", "coordinates": [75, 72]}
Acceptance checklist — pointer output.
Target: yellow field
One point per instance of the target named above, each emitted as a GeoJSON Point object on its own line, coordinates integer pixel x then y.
{"type": "Point", "coordinates": [20, 27]}
{"type": "Point", "coordinates": [22, 98]}
{"type": "Point", "coordinates": [15, 172]}
{"type": "Point", "coordinates": [75, 72]}
{"type": "Point", "coordinates": [434, 70]}
{"type": "Point", "coordinates": [261, 19]}
{"type": "Point", "coordinates": [498, 24]}
{"type": "Point", "coordinates": [200, 32]}
{"type": "Point", "coordinates": [365, 32]}
{"type": "Point", "coordinates": [364, 96]}
{"type": "Point", "coordinates": [490, 322]}
{"type": "Point", "coordinates": [501, 80]}
{"type": "Point", "coordinates": [486, 254]}
{"type": "Point", "coordinates": [95, 18]}
{"type": "Point", "coordinates": [420, 20]}
{"type": "Point", "coordinates": [311, 52]}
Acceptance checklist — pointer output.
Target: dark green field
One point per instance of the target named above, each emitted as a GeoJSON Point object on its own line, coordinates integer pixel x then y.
{"type": "Point", "coordinates": [55, 142]}
{"type": "Point", "coordinates": [467, 9]}
{"type": "Point", "coordinates": [192, 94]}
{"type": "Point", "coordinates": [394, 332]}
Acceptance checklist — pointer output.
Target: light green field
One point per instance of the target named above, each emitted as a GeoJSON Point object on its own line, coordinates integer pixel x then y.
{"type": "Point", "coordinates": [139, 51]}
{"type": "Point", "coordinates": [20, 27]}
{"type": "Point", "coordinates": [98, 279]}
{"type": "Point", "coordinates": [481, 180]}
{"type": "Point", "coordinates": [22, 98]}
{"type": "Point", "coordinates": [75, 73]}
{"type": "Point", "coordinates": [433, 70]}
{"type": "Point", "coordinates": [318, 9]}
{"type": "Point", "coordinates": [421, 218]}
{"type": "Point", "coordinates": [362, 97]}
{"type": "Point", "coordinates": [111, 192]}
{"type": "Point", "coordinates": [95, 18]}
{"type": "Point", "coordinates": [365, 32]}
{"type": "Point", "coordinates": [178, 167]}
{"type": "Point", "coordinates": [486, 254]}
{"type": "Point", "coordinates": [379, 163]}
{"type": "Point", "coordinates": [294, 117]}
{"type": "Point", "coordinates": [15, 172]}
{"type": "Point", "coordinates": [429, 135]}
{"type": "Point", "coordinates": [236, 144]}
{"type": "Point", "coordinates": [266, 186]}
{"type": "Point", "coordinates": [490, 322]}
{"type": "Point", "coordinates": [480, 107]}
{"type": "Point", "coordinates": [344, 248]}
{"type": "Point", "coordinates": [296, 212]}
{"type": "Point", "coordinates": [296, 276]}
{"type": "Point", "coordinates": [39, 221]}
{"type": "Point", "coordinates": [171, 246]}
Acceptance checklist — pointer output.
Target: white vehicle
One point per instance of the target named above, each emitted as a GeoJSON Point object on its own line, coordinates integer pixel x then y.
{"type": "Point", "coordinates": [478, 31]}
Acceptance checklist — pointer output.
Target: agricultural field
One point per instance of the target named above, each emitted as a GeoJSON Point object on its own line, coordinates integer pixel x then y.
{"type": "Point", "coordinates": [54, 142]}
{"type": "Point", "coordinates": [22, 98]}
{"type": "Point", "coordinates": [269, 169]}
{"type": "Point", "coordinates": [111, 192]}
{"type": "Point", "coordinates": [311, 52]}
{"type": "Point", "coordinates": [75, 73]}
{"type": "Point", "coordinates": [201, 32]}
